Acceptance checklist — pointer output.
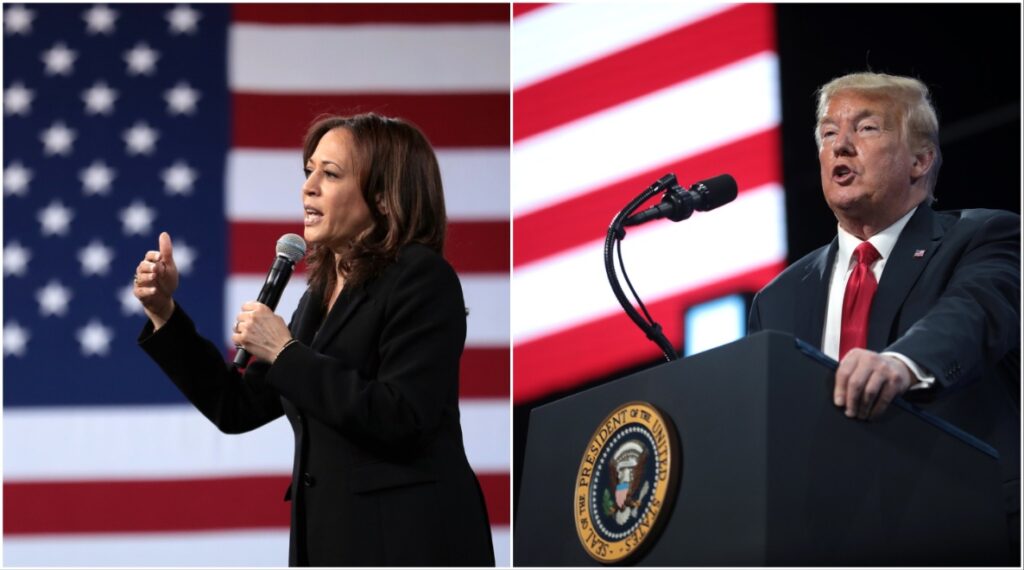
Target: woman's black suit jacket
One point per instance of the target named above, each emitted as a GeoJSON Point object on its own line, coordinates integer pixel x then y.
{"type": "Point", "coordinates": [380, 475]}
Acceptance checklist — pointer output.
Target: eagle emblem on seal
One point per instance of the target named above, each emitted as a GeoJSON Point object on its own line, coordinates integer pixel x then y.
{"type": "Point", "coordinates": [623, 496]}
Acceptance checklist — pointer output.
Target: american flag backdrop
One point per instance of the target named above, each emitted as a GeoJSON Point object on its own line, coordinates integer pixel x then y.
{"type": "Point", "coordinates": [122, 121]}
{"type": "Point", "coordinates": [607, 99]}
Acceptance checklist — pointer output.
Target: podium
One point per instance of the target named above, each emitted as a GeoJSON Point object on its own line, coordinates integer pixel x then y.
{"type": "Point", "coordinates": [772, 473]}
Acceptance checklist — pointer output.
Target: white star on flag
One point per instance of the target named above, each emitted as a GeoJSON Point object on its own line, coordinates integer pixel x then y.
{"type": "Point", "coordinates": [96, 179]}
{"type": "Point", "coordinates": [184, 256]}
{"type": "Point", "coordinates": [178, 178]}
{"type": "Point", "coordinates": [182, 99]}
{"type": "Point", "coordinates": [57, 139]}
{"type": "Point", "coordinates": [183, 20]}
{"type": "Point", "coordinates": [95, 338]}
{"type": "Point", "coordinates": [18, 99]}
{"type": "Point", "coordinates": [141, 59]}
{"type": "Point", "coordinates": [99, 20]}
{"type": "Point", "coordinates": [129, 304]}
{"type": "Point", "coordinates": [59, 59]}
{"type": "Point", "coordinates": [16, 258]}
{"type": "Point", "coordinates": [15, 339]}
{"type": "Point", "coordinates": [95, 258]}
{"type": "Point", "coordinates": [18, 20]}
{"type": "Point", "coordinates": [53, 299]}
{"type": "Point", "coordinates": [99, 99]}
{"type": "Point", "coordinates": [55, 219]}
{"type": "Point", "coordinates": [16, 179]}
{"type": "Point", "coordinates": [137, 219]}
{"type": "Point", "coordinates": [140, 139]}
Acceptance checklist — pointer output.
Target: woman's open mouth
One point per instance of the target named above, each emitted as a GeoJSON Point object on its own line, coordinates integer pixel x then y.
{"type": "Point", "coordinates": [312, 217]}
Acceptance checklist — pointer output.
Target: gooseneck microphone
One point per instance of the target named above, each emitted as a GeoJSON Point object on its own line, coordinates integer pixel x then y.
{"type": "Point", "coordinates": [678, 203]}
{"type": "Point", "coordinates": [290, 250]}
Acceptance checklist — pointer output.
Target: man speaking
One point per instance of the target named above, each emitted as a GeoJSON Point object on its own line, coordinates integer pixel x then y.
{"type": "Point", "coordinates": [912, 302]}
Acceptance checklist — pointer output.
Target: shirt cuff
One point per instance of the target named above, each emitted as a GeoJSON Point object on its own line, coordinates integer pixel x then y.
{"type": "Point", "coordinates": [924, 380]}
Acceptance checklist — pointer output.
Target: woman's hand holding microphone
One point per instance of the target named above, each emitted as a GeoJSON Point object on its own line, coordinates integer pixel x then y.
{"type": "Point", "coordinates": [261, 332]}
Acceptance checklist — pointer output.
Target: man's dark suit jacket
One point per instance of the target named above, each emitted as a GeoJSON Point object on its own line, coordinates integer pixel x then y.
{"type": "Point", "coordinates": [955, 310]}
{"type": "Point", "coordinates": [380, 473]}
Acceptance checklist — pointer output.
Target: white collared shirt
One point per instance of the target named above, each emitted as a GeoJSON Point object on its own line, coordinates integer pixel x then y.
{"type": "Point", "coordinates": [884, 242]}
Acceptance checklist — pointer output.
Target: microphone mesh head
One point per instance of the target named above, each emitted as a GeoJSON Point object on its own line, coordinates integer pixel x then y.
{"type": "Point", "coordinates": [291, 247]}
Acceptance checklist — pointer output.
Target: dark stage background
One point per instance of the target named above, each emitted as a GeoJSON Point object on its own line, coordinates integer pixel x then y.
{"type": "Point", "coordinates": [968, 55]}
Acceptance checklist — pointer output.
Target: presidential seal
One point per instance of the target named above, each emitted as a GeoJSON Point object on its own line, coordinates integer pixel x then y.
{"type": "Point", "coordinates": [626, 483]}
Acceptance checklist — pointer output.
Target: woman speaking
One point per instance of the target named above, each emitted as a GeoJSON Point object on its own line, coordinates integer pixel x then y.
{"type": "Point", "coordinates": [367, 370]}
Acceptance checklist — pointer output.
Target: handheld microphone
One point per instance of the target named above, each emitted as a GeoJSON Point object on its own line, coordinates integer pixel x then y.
{"type": "Point", "coordinates": [679, 203]}
{"type": "Point", "coordinates": [290, 250]}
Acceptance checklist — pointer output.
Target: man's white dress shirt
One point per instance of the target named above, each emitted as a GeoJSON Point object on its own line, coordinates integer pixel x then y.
{"type": "Point", "coordinates": [884, 241]}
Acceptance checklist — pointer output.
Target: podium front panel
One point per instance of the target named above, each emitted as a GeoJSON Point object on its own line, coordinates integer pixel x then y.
{"type": "Point", "coordinates": [772, 472]}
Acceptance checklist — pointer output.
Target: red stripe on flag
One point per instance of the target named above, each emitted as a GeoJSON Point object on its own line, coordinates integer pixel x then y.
{"type": "Point", "coordinates": [518, 8]}
{"type": "Point", "coordinates": [250, 245]}
{"type": "Point", "coordinates": [666, 60]}
{"type": "Point", "coordinates": [448, 120]}
{"type": "Point", "coordinates": [752, 161]}
{"type": "Point", "coordinates": [369, 13]}
{"type": "Point", "coordinates": [471, 247]}
{"type": "Point", "coordinates": [173, 505]}
{"type": "Point", "coordinates": [542, 368]}
{"type": "Point", "coordinates": [478, 247]}
{"type": "Point", "coordinates": [484, 373]}
{"type": "Point", "coordinates": [498, 496]}
{"type": "Point", "coordinates": [135, 506]}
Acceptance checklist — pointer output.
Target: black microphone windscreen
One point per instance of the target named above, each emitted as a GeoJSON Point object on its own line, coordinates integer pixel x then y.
{"type": "Point", "coordinates": [715, 192]}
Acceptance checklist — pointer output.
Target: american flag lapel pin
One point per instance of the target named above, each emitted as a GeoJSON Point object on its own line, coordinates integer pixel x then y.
{"type": "Point", "coordinates": [918, 253]}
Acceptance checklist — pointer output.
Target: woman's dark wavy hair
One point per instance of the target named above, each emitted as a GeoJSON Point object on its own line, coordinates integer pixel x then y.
{"type": "Point", "coordinates": [401, 184]}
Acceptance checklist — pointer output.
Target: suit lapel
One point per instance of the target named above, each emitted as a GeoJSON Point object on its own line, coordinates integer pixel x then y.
{"type": "Point", "coordinates": [814, 292]}
{"type": "Point", "coordinates": [917, 243]}
{"type": "Point", "coordinates": [308, 316]}
{"type": "Point", "coordinates": [340, 313]}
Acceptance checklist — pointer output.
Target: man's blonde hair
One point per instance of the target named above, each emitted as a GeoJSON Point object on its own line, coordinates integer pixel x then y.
{"type": "Point", "coordinates": [919, 123]}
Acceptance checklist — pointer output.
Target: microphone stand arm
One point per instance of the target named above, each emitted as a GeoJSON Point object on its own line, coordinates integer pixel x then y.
{"type": "Point", "coordinates": [616, 233]}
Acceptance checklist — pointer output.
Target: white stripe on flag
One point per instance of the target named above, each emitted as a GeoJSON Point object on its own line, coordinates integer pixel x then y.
{"type": "Point", "coordinates": [374, 58]}
{"type": "Point", "coordinates": [486, 296]}
{"type": "Point", "coordinates": [266, 185]}
{"type": "Point", "coordinates": [502, 538]}
{"type": "Point", "coordinates": [485, 433]}
{"type": "Point", "coordinates": [557, 38]}
{"type": "Point", "coordinates": [176, 441]}
{"type": "Point", "coordinates": [247, 548]}
{"type": "Point", "coordinates": [194, 548]}
{"type": "Point", "coordinates": [693, 116]}
{"type": "Point", "coordinates": [569, 289]}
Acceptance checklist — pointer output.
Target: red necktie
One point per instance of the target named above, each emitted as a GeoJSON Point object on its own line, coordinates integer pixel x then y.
{"type": "Point", "coordinates": [860, 289]}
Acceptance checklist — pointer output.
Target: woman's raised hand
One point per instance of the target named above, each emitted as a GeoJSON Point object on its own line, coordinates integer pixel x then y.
{"type": "Point", "coordinates": [156, 279]}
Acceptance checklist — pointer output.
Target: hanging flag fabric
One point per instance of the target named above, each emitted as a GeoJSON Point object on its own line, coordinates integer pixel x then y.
{"type": "Point", "coordinates": [608, 98]}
